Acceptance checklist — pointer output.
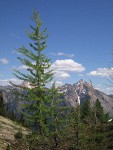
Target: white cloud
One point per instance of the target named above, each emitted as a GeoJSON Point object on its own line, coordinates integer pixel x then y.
{"type": "Point", "coordinates": [5, 82]}
{"type": "Point", "coordinates": [61, 74]}
{"type": "Point", "coordinates": [66, 55]}
{"type": "Point", "coordinates": [57, 83]}
{"type": "Point", "coordinates": [4, 61]}
{"type": "Point", "coordinates": [67, 65]}
{"type": "Point", "coordinates": [63, 54]}
{"type": "Point", "coordinates": [107, 90]}
{"type": "Point", "coordinates": [23, 67]}
{"type": "Point", "coordinates": [63, 67]}
{"type": "Point", "coordinates": [100, 72]}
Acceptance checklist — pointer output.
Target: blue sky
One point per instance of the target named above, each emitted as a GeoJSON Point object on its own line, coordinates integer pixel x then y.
{"type": "Point", "coordinates": [80, 42]}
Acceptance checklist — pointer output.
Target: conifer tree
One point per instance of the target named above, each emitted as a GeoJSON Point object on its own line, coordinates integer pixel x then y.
{"type": "Point", "coordinates": [99, 111]}
{"type": "Point", "coordinates": [86, 109]}
{"type": "Point", "coordinates": [3, 111]}
{"type": "Point", "coordinates": [74, 128]}
{"type": "Point", "coordinates": [57, 121]}
{"type": "Point", "coordinates": [38, 75]}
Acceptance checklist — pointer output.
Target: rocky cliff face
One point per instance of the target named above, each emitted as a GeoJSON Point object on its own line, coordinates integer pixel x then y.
{"type": "Point", "coordinates": [80, 91]}
{"type": "Point", "coordinates": [10, 100]}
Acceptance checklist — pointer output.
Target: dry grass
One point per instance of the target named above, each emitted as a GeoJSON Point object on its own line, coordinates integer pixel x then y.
{"type": "Point", "coordinates": [7, 130]}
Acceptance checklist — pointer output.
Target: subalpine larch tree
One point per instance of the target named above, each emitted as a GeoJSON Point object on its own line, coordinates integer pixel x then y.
{"type": "Point", "coordinates": [73, 133]}
{"type": "Point", "coordinates": [86, 112]}
{"type": "Point", "coordinates": [95, 114]}
{"type": "Point", "coordinates": [57, 118]}
{"type": "Point", "coordinates": [38, 75]}
{"type": "Point", "coordinates": [100, 111]}
{"type": "Point", "coordinates": [54, 119]}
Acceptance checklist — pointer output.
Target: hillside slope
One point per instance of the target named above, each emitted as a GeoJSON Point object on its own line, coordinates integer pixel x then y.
{"type": "Point", "coordinates": [7, 130]}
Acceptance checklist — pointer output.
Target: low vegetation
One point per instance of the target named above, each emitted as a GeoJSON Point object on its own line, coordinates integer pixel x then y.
{"type": "Point", "coordinates": [8, 130]}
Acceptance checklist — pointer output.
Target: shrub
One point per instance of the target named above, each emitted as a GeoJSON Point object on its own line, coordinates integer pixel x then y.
{"type": "Point", "coordinates": [18, 135]}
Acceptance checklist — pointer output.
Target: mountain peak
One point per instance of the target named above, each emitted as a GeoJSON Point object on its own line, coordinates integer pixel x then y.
{"type": "Point", "coordinates": [81, 81]}
{"type": "Point", "coordinates": [82, 90]}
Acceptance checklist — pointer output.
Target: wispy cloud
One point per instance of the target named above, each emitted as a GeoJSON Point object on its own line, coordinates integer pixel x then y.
{"type": "Point", "coordinates": [100, 72]}
{"type": "Point", "coordinates": [107, 90]}
{"type": "Point", "coordinates": [63, 54]}
{"type": "Point", "coordinates": [5, 82]}
{"type": "Point", "coordinates": [61, 74]}
{"type": "Point", "coordinates": [57, 83]}
{"type": "Point", "coordinates": [23, 67]}
{"type": "Point", "coordinates": [4, 61]}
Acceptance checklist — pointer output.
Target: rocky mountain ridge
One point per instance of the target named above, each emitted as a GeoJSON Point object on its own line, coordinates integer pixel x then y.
{"type": "Point", "coordinates": [11, 101]}
{"type": "Point", "coordinates": [80, 91]}
{"type": "Point", "coordinates": [74, 94]}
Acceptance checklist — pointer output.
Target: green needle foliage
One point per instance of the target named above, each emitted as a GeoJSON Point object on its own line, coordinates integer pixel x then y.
{"type": "Point", "coordinates": [38, 75]}
{"type": "Point", "coordinates": [86, 111]}
{"type": "Point", "coordinates": [57, 121]}
{"type": "Point", "coordinates": [43, 107]}
{"type": "Point", "coordinates": [100, 112]}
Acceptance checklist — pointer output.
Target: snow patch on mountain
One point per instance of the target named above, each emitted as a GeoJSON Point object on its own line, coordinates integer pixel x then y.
{"type": "Point", "coordinates": [80, 91]}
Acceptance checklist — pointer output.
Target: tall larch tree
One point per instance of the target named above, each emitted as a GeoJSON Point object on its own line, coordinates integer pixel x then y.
{"type": "Point", "coordinates": [38, 75]}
